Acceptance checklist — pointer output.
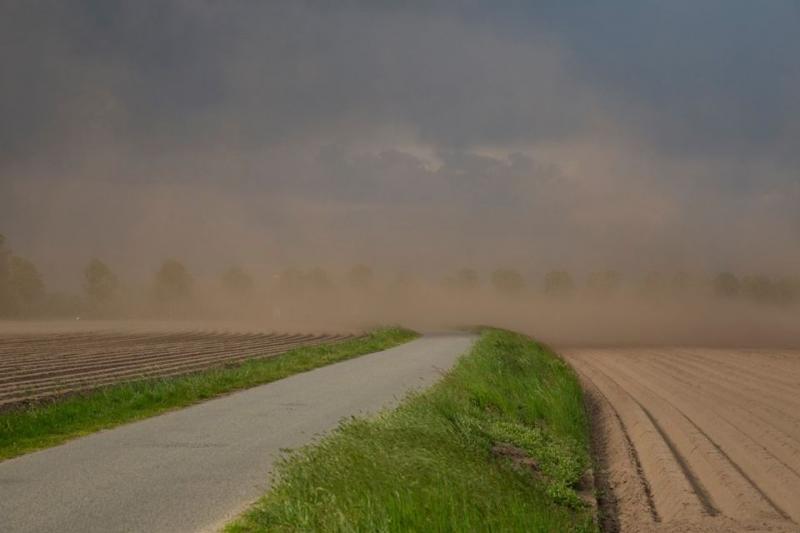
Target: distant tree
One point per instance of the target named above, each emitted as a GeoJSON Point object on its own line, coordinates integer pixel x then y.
{"type": "Point", "coordinates": [318, 279]}
{"type": "Point", "coordinates": [757, 288]}
{"type": "Point", "coordinates": [787, 291]}
{"type": "Point", "coordinates": [173, 282]}
{"type": "Point", "coordinates": [5, 256]}
{"type": "Point", "coordinates": [6, 303]}
{"type": "Point", "coordinates": [726, 285]}
{"type": "Point", "coordinates": [25, 281]}
{"type": "Point", "coordinates": [21, 284]}
{"type": "Point", "coordinates": [558, 283]}
{"type": "Point", "coordinates": [762, 289]}
{"type": "Point", "coordinates": [360, 277]}
{"type": "Point", "coordinates": [403, 281]}
{"type": "Point", "coordinates": [681, 281]}
{"type": "Point", "coordinates": [654, 283]}
{"type": "Point", "coordinates": [237, 281]}
{"type": "Point", "coordinates": [99, 282]}
{"type": "Point", "coordinates": [465, 279]}
{"type": "Point", "coordinates": [292, 279]}
{"type": "Point", "coordinates": [507, 281]}
{"type": "Point", "coordinates": [603, 283]}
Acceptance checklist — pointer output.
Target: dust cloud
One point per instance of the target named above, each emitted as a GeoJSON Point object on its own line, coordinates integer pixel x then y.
{"type": "Point", "coordinates": [268, 149]}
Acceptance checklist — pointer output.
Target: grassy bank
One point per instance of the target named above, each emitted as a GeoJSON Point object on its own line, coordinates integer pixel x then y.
{"type": "Point", "coordinates": [500, 444]}
{"type": "Point", "coordinates": [23, 431]}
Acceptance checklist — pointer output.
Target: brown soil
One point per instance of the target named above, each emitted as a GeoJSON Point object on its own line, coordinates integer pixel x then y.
{"type": "Point", "coordinates": [695, 439]}
{"type": "Point", "coordinates": [40, 366]}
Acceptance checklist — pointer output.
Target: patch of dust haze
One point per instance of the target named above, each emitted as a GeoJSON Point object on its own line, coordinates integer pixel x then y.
{"type": "Point", "coordinates": [295, 135]}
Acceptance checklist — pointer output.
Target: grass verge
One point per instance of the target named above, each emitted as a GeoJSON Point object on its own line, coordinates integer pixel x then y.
{"type": "Point", "coordinates": [26, 430]}
{"type": "Point", "coordinates": [500, 444]}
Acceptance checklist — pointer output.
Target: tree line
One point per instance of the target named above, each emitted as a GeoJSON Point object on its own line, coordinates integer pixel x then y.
{"type": "Point", "coordinates": [22, 288]}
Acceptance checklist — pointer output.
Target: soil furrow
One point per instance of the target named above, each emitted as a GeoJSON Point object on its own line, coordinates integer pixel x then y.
{"type": "Point", "coordinates": [73, 352]}
{"type": "Point", "coordinates": [775, 380]}
{"type": "Point", "coordinates": [672, 492]}
{"type": "Point", "coordinates": [730, 427]}
{"type": "Point", "coordinates": [133, 357]}
{"type": "Point", "coordinates": [139, 357]}
{"type": "Point", "coordinates": [782, 444]}
{"type": "Point", "coordinates": [733, 493]}
{"type": "Point", "coordinates": [775, 409]}
{"type": "Point", "coordinates": [743, 361]}
{"type": "Point", "coordinates": [624, 496]}
{"type": "Point", "coordinates": [189, 359]}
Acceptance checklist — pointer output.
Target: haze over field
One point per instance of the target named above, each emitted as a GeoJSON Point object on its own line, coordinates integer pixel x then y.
{"type": "Point", "coordinates": [654, 138]}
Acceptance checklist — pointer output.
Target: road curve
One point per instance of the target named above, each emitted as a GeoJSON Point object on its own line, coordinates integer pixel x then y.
{"type": "Point", "coordinates": [194, 469]}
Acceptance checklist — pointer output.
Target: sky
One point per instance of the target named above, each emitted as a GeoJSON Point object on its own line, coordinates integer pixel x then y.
{"type": "Point", "coordinates": [416, 136]}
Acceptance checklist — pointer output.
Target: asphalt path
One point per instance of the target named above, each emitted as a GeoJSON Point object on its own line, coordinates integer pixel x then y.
{"type": "Point", "coordinates": [196, 468]}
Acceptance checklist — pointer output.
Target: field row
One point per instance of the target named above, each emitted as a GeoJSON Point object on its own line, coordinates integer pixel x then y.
{"type": "Point", "coordinates": [699, 436]}
{"type": "Point", "coordinates": [40, 367]}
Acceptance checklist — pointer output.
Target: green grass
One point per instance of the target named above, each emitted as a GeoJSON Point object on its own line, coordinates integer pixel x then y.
{"type": "Point", "coordinates": [26, 430]}
{"type": "Point", "coordinates": [429, 465]}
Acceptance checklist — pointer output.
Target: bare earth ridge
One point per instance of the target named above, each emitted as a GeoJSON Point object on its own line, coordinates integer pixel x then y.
{"type": "Point", "coordinates": [695, 439]}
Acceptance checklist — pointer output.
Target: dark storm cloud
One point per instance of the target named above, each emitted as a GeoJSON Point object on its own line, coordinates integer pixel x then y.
{"type": "Point", "coordinates": [713, 75]}
{"type": "Point", "coordinates": [634, 131]}
{"type": "Point", "coordinates": [718, 74]}
{"type": "Point", "coordinates": [251, 73]}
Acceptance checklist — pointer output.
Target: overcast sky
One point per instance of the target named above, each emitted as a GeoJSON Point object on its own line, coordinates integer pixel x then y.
{"type": "Point", "coordinates": [637, 135]}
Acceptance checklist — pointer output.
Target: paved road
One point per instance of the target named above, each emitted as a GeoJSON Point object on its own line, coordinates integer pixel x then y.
{"type": "Point", "coordinates": [194, 469]}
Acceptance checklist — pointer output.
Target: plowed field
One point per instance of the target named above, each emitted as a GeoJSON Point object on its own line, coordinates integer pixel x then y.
{"type": "Point", "coordinates": [696, 439]}
{"type": "Point", "coordinates": [36, 367]}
